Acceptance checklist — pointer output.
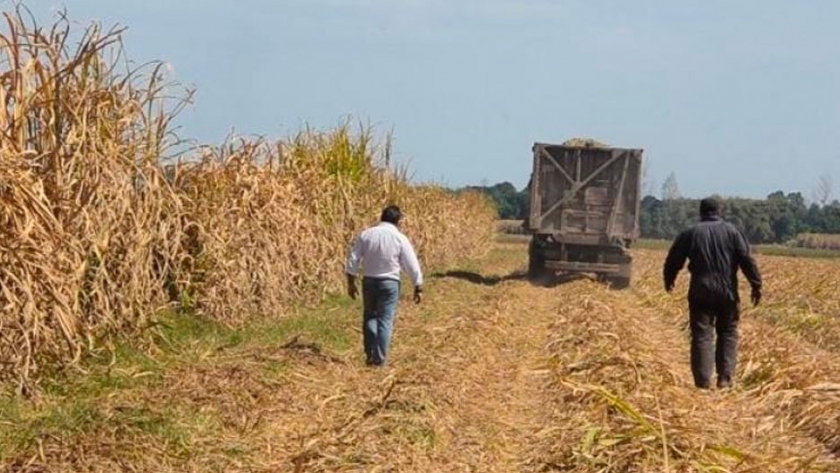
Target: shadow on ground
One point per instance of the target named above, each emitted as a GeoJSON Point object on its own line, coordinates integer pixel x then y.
{"type": "Point", "coordinates": [543, 281]}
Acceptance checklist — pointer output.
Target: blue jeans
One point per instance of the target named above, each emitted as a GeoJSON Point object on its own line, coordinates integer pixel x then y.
{"type": "Point", "coordinates": [380, 301]}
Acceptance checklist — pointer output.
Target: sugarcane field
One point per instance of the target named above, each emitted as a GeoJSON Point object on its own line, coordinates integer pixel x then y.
{"type": "Point", "coordinates": [179, 295]}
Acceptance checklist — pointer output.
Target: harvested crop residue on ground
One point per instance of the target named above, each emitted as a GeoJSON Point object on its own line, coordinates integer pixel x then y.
{"type": "Point", "coordinates": [490, 374]}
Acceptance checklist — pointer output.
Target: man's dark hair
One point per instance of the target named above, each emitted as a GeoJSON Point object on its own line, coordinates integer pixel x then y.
{"type": "Point", "coordinates": [391, 214]}
{"type": "Point", "coordinates": [709, 206]}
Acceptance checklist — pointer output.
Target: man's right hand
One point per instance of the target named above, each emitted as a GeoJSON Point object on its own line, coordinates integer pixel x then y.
{"type": "Point", "coordinates": [755, 296]}
{"type": "Point", "coordinates": [418, 295]}
{"type": "Point", "coordinates": [352, 290]}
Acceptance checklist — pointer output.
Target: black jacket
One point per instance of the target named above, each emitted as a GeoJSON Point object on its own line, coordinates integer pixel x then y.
{"type": "Point", "coordinates": [715, 250]}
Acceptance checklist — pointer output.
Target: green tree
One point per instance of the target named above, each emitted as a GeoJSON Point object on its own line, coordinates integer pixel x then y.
{"type": "Point", "coordinates": [510, 203]}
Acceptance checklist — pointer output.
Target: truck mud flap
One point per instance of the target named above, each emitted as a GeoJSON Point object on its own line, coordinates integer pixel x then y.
{"type": "Point", "coordinates": [580, 267]}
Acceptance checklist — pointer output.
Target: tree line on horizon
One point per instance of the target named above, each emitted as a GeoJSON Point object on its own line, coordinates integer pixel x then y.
{"type": "Point", "coordinates": [778, 218]}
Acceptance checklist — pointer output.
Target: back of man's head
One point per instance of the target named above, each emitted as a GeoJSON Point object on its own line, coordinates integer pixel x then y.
{"type": "Point", "coordinates": [391, 214]}
{"type": "Point", "coordinates": [709, 207]}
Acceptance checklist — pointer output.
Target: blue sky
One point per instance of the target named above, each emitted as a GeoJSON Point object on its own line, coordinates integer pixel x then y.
{"type": "Point", "coordinates": [734, 97]}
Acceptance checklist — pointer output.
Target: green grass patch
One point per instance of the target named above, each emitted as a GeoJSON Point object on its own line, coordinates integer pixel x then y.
{"type": "Point", "coordinates": [758, 376]}
{"type": "Point", "coordinates": [187, 336]}
{"type": "Point", "coordinates": [172, 429]}
{"type": "Point", "coordinates": [78, 402]}
{"type": "Point", "coordinates": [799, 321]}
{"type": "Point", "coordinates": [650, 244]}
{"type": "Point", "coordinates": [70, 422]}
{"type": "Point", "coordinates": [62, 421]}
{"type": "Point", "coordinates": [795, 252]}
{"type": "Point", "coordinates": [418, 434]}
{"type": "Point", "coordinates": [111, 393]}
{"type": "Point", "coordinates": [767, 250]}
{"type": "Point", "coordinates": [331, 326]}
{"type": "Point", "coordinates": [512, 238]}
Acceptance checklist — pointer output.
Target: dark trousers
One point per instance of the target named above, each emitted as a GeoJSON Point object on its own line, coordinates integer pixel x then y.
{"type": "Point", "coordinates": [708, 354]}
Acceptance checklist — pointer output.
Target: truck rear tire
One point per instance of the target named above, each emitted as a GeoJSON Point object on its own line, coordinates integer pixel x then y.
{"type": "Point", "coordinates": [618, 282]}
{"type": "Point", "coordinates": [536, 261]}
{"type": "Point", "coordinates": [621, 280]}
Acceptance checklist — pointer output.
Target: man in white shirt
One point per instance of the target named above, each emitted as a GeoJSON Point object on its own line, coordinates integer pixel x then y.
{"type": "Point", "coordinates": [382, 251]}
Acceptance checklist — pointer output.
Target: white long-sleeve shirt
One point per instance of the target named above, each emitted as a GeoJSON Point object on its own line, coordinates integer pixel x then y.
{"type": "Point", "coordinates": [381, 251]}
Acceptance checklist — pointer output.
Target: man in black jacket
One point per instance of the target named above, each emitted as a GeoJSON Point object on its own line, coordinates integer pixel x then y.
{"type": "Point", "coordinates": [715, 250]}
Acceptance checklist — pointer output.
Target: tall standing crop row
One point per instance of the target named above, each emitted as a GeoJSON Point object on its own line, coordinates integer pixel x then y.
{"type": "Point", "coordinates": [98, 234]}
{"type": "Point", "coordinates": [86, 219]}
{"type": "Point", "coordinates": [273, 222]}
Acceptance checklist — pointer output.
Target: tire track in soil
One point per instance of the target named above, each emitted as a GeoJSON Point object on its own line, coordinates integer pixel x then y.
{"type": "Point", "coordinates": [462, 391]}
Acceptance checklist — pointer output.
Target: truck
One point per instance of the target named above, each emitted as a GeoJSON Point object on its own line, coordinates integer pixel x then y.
{"type": "Point", "coordinates": [584, 210]}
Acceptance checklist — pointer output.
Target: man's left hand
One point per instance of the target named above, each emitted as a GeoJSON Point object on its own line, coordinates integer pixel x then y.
{"type": "Point", "coordinates": [418, 295]}
{"type": "Point", "coordinates": [755, 297]}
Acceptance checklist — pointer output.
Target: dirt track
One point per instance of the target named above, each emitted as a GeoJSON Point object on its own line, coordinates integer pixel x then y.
{"type": "Point", "coordinates": [490, 374]}
{"type": "Point", "coordinates": [496, 374]}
